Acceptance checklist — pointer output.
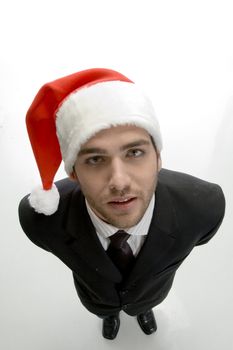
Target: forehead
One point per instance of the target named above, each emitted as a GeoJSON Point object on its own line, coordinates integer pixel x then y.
{"type": "Point", "coordinates": [116, 135]}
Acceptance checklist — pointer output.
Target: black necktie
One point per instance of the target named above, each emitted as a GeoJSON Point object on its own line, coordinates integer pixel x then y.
{"type": "Point", "coordinates": [120, 252]}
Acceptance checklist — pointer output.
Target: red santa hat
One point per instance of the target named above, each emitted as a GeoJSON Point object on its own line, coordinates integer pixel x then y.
{"type": "Point", "coordinates": [67, 112]}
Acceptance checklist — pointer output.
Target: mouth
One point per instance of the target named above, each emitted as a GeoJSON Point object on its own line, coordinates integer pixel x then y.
{"type": "Point", "coordinates": [122, 203]}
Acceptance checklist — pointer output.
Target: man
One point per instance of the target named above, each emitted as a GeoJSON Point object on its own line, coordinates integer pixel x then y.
{"type": "Point", "coordinates": [120, 222]}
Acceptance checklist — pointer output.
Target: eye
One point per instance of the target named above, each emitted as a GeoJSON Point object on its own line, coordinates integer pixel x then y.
{"type": "Point", "coordinates": [95, 160]}
{"type": "Point", "coordinates": [135, 153]}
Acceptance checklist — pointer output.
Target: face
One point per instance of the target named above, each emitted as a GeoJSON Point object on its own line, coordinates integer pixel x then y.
{"type": "Point", "coordinates": [117, 171]}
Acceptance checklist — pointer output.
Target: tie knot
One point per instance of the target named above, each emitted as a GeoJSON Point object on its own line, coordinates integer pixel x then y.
{"type": "Point", "coordinates": [119, 239]}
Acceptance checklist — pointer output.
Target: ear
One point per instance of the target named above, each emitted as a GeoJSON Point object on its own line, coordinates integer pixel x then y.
{"type": "Point", "coordinates": [73, 176]}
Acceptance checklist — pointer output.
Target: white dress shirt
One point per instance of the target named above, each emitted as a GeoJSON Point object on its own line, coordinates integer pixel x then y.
{"type": "Point", "coordinates": [137, 233]}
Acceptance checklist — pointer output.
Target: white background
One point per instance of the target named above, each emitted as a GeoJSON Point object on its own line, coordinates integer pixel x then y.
{"type": "Point", "coordinates": [181, 53]}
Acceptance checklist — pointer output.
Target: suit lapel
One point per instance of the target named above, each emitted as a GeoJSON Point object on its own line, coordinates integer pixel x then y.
{"type": "Point", "coordinates": [160, 239]}
{"type": "Point", "coordinates": [83, 239]}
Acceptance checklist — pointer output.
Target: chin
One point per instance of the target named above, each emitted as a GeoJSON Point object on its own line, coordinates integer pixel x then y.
{"type": "Point", "coordinates": [124, 223]}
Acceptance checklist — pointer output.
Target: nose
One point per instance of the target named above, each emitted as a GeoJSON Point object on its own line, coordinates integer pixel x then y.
{"type": "Point", "coordinates": [119, 177]}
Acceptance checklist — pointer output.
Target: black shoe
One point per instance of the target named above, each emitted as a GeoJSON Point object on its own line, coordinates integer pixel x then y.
{"type": "Point", "coordinates": [147, 322]}
{"type": "Point", "coordinates": [111, 325]}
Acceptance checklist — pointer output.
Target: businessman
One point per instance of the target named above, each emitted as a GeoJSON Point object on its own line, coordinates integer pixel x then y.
{"type": "Point", "coordinates": [119, 221]}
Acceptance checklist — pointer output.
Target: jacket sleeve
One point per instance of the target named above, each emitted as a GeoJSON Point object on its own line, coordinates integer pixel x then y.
{"type": "Point", "coordinates": [218, 209]}
{"type": "Point", "coordinates": [29, 221]}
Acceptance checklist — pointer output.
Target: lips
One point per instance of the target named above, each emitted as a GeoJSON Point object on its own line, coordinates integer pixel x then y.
{"type": "Point", "coordinates": [123, 203]}
{"type": "Point", "coordinates": [121, 200]}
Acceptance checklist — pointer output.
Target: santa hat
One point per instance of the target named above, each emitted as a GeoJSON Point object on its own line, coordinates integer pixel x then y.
{"type": "Point", "coordinates": [68, 111]}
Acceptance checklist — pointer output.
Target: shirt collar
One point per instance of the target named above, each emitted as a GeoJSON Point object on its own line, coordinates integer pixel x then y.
{"type": "Point", "coordinates": [107, 230]}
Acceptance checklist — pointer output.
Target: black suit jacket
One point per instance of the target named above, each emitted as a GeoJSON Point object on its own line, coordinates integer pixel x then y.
{"type": "Point", "coordinates": [188, 212]}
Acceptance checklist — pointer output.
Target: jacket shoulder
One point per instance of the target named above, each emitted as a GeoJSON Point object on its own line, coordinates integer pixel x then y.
{"type": "Point", "coordinates": [197, 202]}
{"type": "Point", "coordinates": [35, 225]}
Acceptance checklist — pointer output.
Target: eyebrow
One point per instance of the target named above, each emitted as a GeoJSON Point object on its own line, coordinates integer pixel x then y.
{"type": "Point", "coordinates": [97, 150]}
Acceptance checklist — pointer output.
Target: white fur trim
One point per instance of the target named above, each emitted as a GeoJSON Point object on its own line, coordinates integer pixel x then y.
{"type": "Point", "coordinates": [44, 202]}
{"type": "Point", "coordinates": [100, 106]}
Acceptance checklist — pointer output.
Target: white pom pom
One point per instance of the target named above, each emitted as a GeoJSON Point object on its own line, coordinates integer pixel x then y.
{"type": "Point", "coordinates": [44, 202]}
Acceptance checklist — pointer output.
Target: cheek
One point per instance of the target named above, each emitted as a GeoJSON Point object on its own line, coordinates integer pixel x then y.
{"type": "Point", "coordinates": [90, 186]}
{"type": "Point", "coordinates": [150, 170]}
{"type": "Point", "coordinates": [149, 177]}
